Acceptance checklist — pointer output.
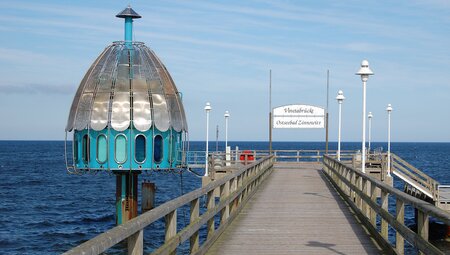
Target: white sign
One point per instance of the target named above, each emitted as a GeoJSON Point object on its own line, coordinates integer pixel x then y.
{"type": "Point", "coordinates": [298, 116]}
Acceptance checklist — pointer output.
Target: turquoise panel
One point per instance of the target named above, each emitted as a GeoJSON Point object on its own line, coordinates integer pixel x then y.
{"type": "Point", "coordinates": [127, 150]}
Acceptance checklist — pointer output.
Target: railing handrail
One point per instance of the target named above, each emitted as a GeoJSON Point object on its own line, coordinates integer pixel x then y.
{"type": "Point", "coordinates": [354, 184]}
{"type": "Point", "coordinates": [409, 171]}
{"type": "Point", "coordinates": [415, 202]}
{"type": "Point", "coordinates": [119, 233]}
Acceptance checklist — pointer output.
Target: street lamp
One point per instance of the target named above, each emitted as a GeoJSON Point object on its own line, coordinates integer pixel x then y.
{"type": "Point", "coordinates": [340, 98]}
{"type": "Point", "coordinates": [364, 72]}
{"type": "Point", "coordinates": [389, 110]}
{"type": "Point", "coordinates": [226, 115]}
{"type": "Point", "coordinates": [207, 109]}
{"type": "Point", "coordinates": [370, 116]}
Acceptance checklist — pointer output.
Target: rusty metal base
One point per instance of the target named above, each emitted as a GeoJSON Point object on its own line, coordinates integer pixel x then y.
{"type": "Point", "coordinates": [126, 197]}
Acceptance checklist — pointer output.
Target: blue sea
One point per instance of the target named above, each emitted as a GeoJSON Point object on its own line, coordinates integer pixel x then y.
{"type": "Point", "coordinates": [45, 210]}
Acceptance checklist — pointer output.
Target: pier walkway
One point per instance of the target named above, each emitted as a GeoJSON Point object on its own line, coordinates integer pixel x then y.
{"type": "Point", "coordinates": [295, 211]}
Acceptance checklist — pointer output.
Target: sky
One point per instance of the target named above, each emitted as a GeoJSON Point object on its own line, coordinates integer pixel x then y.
{"type": "Point", "coordinates": [221, 52]}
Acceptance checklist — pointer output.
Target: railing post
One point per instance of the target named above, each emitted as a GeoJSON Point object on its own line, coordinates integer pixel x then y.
{"type": "Point", "coordinates": [373, 197]}
{"type": "Point", "coordinates": [318, 156]}
{"type": "Point", "coordinates": [224, 191]}
{"type": "Point", "coordinates": [422, 224]}
{"type": "Point", "coordinates": [171, 227]}
{"type": "Point", "coordinates": [400, 217]}
{"type": "Point", "coordinates": [298, 156]}
{"type": "Point", "coordinates": [233, 187]}
{"type": "Point", "coordinates": [210, 204]}
{"type": "Point", "coordinates": [365, 206]}
{"type": "Point", "coordinates": [136, 243]}
{"type": "Point", "coordinates": [195, 210]}
{"type": "Point", "coordinates": [358, 182]}
{"type": "Point", "coordinates": [384, 206]}
{"type": "Point", "coordinates": [352, 181]}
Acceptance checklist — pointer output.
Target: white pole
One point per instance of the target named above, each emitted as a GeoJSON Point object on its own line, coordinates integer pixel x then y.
{"type": "Point", "coordinates": [207, 109]}
{"type": "Point", "coordinates": [227, 114]}
{"type": "Point", "coordinates": [339, 132]}
{"type": "Point", "coordinates": [340, 98]}
{"type": "Point", "coordinates": [363, 149]}
{"type": "Point", "coordinates": [370, 129]}
{"type": "Point", "coordinates": [364, 72]}
{"type": "Point", "coordinates": [389, 109]}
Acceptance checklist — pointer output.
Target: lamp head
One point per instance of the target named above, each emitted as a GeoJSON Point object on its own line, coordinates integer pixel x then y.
{"type": "Point", "coordinates": [340, 97]}
{"type": "Point", "coordinates": [389, 108]}
{"type": "Point", "coordinates": [208, 107]}
{"type": "Point", "coordinates": [227, 114]}
{"type": "Point", "coordinates": [364, 71]}
{"type": "Point", "coordinates": [370, 115]}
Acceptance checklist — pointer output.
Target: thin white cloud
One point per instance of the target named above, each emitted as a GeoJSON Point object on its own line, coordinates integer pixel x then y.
{"type": "Point", "coordinates": [19, 56]}
{"type": "Point", "coordinates": [36, 89]}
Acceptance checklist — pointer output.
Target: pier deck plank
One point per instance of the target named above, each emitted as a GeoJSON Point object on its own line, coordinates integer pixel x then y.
{"type": "Point", "coordinates": [295, 211]}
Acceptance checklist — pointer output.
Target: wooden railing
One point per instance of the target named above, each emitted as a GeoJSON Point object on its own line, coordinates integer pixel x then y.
{"type": "Point", "coordinates": [235, 190]}
{"type": "Point", "coordinates": [360, 191]}
{"type": "Point", "coordinates": [415, 177]}
{"type": "Point", "coordinates": [235, 156]}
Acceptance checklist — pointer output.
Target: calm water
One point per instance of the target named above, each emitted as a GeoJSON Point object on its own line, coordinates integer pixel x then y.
{"type": "Point", "coordinates": [44, 210]}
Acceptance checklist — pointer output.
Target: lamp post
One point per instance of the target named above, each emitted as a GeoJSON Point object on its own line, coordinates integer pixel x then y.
{"type": "Point", "coordinates": [207, 109]}
{"type": "Point", "coordinates": [340, 98]}
{"type": "Point", "coordinates": [389, 110]}
{"type": "Point", "coordinates": [226, 115]}
{"type": "Point", "coordinates": [370, 116]}
{"type": "Point", "coordinates": [364, 72]}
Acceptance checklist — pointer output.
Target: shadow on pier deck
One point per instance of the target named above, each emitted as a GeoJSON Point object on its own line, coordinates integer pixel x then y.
{"type": "Point", "coordinates": [295, 211]}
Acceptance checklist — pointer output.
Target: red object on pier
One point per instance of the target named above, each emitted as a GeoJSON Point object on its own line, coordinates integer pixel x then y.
{"type": "Point", "coordinates": [247, 156]}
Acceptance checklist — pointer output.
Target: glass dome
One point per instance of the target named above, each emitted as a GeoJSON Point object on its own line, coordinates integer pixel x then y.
{"type": "Point", "coordinates": [127, 86]}
{"type": "Point", "coordinates": [127, 113]}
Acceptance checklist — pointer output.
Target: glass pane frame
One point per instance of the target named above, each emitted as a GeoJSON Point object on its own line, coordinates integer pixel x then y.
{"type": "Point", "coordinates": [143, 147]}
{"type": "Point", "coordinates": [105, 147]}
{"type": "Point", "coordinates": [76, 157]}
{"type": "Point", "coordinates": [85, 149]}
{"type": "Point", "coordinates": [125, 150]}
{"type": "Point", "coordinates": [158, 149]}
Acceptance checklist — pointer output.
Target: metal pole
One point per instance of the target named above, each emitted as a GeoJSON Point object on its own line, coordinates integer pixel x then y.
{"type": "Point", "coordinates": [217, 138]}
{"type": "Point", "coordinates": [363, 149]}
{"type": "Point", "coordinates": [370, 131]}
{"type": "Point", "coordinates": [326, 128]}
{"type": "Point", "coordinates": [226, 133]}
{"type": "Point", "coordinates": [207, 140]}
{"type": "Point", "coordinates": [270, 112]}
{"type": "Point", "coordinates": [389, 142]}
{"type": "Point", "coordinates": [339, 133]}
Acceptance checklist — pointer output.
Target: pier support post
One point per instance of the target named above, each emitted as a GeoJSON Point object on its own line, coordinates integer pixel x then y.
{"type": "Point", "coordinates": [148, 196]}
{"type": "Point", "coordinates": [126, 196]}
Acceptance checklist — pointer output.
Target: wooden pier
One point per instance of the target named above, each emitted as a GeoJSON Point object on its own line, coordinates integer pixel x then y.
{"type": "Point", "coordinates": [296, 211]}
{"type": "Point", "coordinates": [319, 206]}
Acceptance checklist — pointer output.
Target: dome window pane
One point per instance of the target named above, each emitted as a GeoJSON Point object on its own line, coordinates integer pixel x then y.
{"type": "Point", "coordinates": [85, 148]}
{"type": "Point", "coordinates": [75, 149]}
{"type": "Point", "coordinates": [158, 150]}
{"type": "Point", "coordinates": [102, 149]}
{"type": "Point", "coordinates": [140, 145]}
{"type": "Point", "coordinates": [120, 149]}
